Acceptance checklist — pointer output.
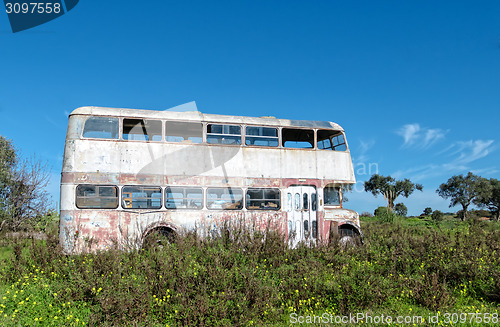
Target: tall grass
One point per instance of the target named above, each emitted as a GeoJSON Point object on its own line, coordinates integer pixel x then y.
{"type": "Point", "coordinates": [244, 279]}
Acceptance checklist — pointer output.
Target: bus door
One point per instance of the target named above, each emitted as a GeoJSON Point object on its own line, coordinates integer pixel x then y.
{"type": "Point", "coordinates": [301, 211]}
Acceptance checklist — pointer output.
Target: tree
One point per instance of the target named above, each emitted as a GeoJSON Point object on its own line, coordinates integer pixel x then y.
{"type": "Point", "coordinates": [490, 198]}
{"type": "Point", "coordinates": [390, 188]}
{"type": "Point", "coordinates": [437, 215]}
{"type": "Point", "coordinates": [7, 163]}
{"type": "Point", "coordinates": [464, 190]}
{"type": "Point", "coordinates": [427, 211]}
{"type": "Point", "coordinates": [22, 188]}
{"type": "Point", "coordinates": [400, 209]}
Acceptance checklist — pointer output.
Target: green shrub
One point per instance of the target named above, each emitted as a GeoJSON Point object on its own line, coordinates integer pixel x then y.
{"type": "Point", "coordinates": [400, 209]}
{"type": "Point", "coordinates": [437, 215]}
{"type": "Point", "coordinates": [385, 214]}
{"type": "Point", "coordinates": [241, 278]}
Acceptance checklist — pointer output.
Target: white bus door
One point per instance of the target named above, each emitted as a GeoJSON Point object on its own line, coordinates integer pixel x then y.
{"type": "Point", "coordinates": [301, 211]}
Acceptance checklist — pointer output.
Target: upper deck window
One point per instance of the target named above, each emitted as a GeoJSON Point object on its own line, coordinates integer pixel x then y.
{"type": "Point", "coordinates": [261, 136]}
{"type": "Point", "coordinates": [141, 197]}
{"type": "Point", "coordinates": [331, 140]}
{"type": "Point", "coordinates": [96, 197]}
{"type": "Point", "coordinates": [101, 128]}
{"type": "Point", "coordinates": [223, 134]}
{"type": "Point", "coordinates": [141, 129]}
{"type": "Point", "coordinates": [182, 132]}
{"type": "Point", "coordinates": [298, 138]}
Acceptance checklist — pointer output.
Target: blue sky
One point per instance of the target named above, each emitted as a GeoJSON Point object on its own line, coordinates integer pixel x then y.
{"type": "Point", "coordinates": [416, 85]}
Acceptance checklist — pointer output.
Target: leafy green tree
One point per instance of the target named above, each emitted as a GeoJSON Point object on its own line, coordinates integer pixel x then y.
{"type": "Point", "coordinates": [23, 197]}
{"type": "Point", "coordinates": [390, 188]}
{"type": "Point", "coordinates": [427, 211]}
{"type": "Point", "coordinates": [464, 190]}
{"type": "Point", "coordinates": [7, 163]}
{"type": "Point", "coordinates": [490, 198]}
{"type": "Point", "coordinates": [400, 209]}
{"type": "Point", "coordinates": [437, 215]}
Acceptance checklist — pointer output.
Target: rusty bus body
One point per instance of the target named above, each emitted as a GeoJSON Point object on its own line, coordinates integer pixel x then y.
{"type": "Point", "coordinates": [129, 172]}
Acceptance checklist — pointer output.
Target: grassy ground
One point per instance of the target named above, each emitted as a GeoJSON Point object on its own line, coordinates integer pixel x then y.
{"type": "Point", "coordinates": [407, 268]}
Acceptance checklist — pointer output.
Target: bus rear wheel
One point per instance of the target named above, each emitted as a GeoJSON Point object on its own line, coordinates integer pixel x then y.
{"type": "Point", "coordinates": [158, 238]}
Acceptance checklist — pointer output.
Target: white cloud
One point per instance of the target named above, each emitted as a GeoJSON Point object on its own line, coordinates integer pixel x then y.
{"type": "Point", "coordinates": [473, 150]}
{"type": "Point", "coordinates": [421, 137]}
{"type": "Point", "coordinates": [361, 153]}
{"type": "Point", "coordinates": [464, 153]}
{"type": "Point", "coordinates": [410, 133]}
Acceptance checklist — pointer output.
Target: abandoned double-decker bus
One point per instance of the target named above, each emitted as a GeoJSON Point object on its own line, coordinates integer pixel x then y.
{"type": "Point", "coordinates": [129, 173]}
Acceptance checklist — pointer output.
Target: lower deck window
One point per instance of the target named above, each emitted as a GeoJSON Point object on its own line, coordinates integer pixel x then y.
{"type": "Point", "coordinates": [332, 195]}
{"type": "Point", "coordinates": [183, 198]}
{"type": "Point", "coordinates": [141, 197]}
{"type": "Point", "coordinates": [224, 198]}
{"type": "Point", "coordinates": [263, 199]}
{"type": "Point", "coordinates": [96, 197]}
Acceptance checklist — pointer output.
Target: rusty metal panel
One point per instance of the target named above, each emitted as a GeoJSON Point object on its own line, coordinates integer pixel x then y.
{"type": "Point", "coordinates": [339, 214]}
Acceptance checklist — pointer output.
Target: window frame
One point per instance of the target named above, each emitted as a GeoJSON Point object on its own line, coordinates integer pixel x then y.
{"type": "Point", "coordinates": [184, 188]}
{"type": "Point", "coordinates": [97, 186]}
{"type": "Point", "coordinates": [208, 203]}
{"type": "Point", "coordinates": [141, 187]}
{"type": "Point", "coordinates": [221, 135]}
{"type": "Point", "coordinates": [278, 136]}
{"type": "Point", "coordinates": [282, 139]}
{"type": "Point", "coordinates": [122, 125]}
{"type": "Point", "coordinates": [185, 141]}
{"type": "Point", "coordinates": [263, 199]}
{"type": "Point", "coordinates": [339, 192]}
{"type": "Point", "coordinates": [330, 138]}
{"type": "Point", "coordinates": [119, 132]}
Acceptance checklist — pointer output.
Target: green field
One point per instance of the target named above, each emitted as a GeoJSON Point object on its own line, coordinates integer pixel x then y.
{"type": "Point", "coordinates": [410, 267]}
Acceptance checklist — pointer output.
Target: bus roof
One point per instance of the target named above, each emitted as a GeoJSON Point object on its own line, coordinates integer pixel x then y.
{"type": "Point", "coordinates": [198, 116]}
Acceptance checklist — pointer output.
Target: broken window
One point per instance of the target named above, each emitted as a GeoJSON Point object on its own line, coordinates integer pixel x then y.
{"type": "Point", "coordinates": [261, 136]}
{"type": "Point", "coordinates": [297, 138]}
{"type": "Point", "coordinates": [224, 198]}
{"type": "Point", "coordinates": [223, 134]}
{"type": "Point", "coordinates": [183, 198]}
{"type": "Point", "coordinates": [101, 128]}
{"type": "Point", "coordinates": [263, 199]}
{"type": "Point", "coordinates": [176, 131]}
{"type": "Point", "coordinates": [141, 197]}
{"type": "Point", "coordinates": [332, 195]}
{"type": "Point", "coordinates": [331, 140]}
{"type": "Point", "coordinates": [141, 129]}
{"type": "Point", "coordinates": [96, 197]}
